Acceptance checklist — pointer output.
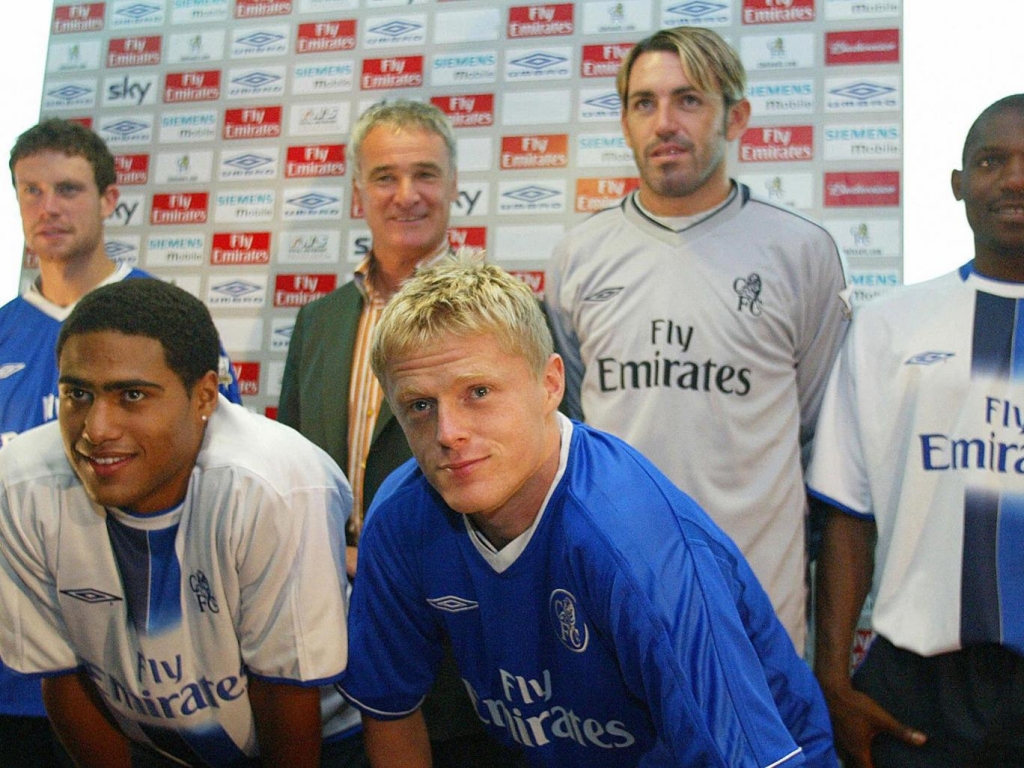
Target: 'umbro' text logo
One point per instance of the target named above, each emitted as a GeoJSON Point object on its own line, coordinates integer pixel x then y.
{"type": "Point", "coordinates": [90, 595]}
{"type": "Point", "coordinates": [604, 294]}
{"type": "Point", "coordinates": [9, 369]}
{"type": "Point", "coordinates": [929, 358]}
{"type": "Point", "coordinates": [453, 604]}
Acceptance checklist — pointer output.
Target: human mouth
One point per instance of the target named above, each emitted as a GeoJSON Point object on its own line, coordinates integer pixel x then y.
{"type": "Point", "coordinates": [105, 466]}
{"type": "Point", "coordinates": [51, 233]}
{"type": "Point", "coordinates": [460, 469]}
{"type": "Point", "coordinates": [668, 150]}
{"type": "Point", "coordinates": [1009, 207]}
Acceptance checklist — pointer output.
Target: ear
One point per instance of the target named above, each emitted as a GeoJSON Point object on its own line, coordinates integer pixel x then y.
{"type": "Point", "coordinates": [736, 119]}
{"type": "Point", "coordinates": [625, 128]}
{"type": "Point", "coordinates": [453, 191]}
{"type": "Point", "coordinates": [956, 181]}
{"type": "Point", "coordinates": [205, 395]}
{"type": "Point", "coordinates": [357, 196]}
{"type": "Point", "coordinates": [108, 200]}
{"type": "Point", "coordinates": [554, 382]}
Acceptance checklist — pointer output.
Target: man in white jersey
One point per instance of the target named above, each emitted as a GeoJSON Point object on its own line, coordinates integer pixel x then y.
{"type": "Point", "coordinates": [582, 641]}
{"type": "Point", "coordinates": [920, 456]}
{"type": "Point", "coordinates": [697, 322]}
{"type": "Point", "coordinates": [172, 565]}
{"type": "Point", "coordinates": [65, 181]}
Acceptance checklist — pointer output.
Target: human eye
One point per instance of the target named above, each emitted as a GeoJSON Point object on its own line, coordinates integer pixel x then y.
{"type": "Point", "coordinates": [479, 391]}
{"type": "Point", "coordinates": [418, 406]}
{"type": "Point", "coordinates": [68, 189]}
{"type": "Point", "coordinates": [133, 395]}
{"type": "Point", "coordinates": [642, 104]}
{"type": "Point", "coordinates": [690, 101]}
{"type": "Point", "coordinates": [75, 395]}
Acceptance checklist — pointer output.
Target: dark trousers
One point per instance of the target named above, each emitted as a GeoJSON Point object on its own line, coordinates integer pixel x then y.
{"type": "Point", "coordinates": [970, 704]}
{"type": "Point", "coordinates": [341, 753]}
{"type": "Point", "coordinates": [29, 742]}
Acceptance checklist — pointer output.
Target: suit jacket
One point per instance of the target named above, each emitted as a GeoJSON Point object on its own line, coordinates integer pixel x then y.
{"type": "Point", "coordinates": [314, 400]}
{"type": "Point", "coordinates": [314, 391]}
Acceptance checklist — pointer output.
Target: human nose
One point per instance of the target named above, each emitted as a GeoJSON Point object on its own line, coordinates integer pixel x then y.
{"type": "Point", "coordinates": [1013, 177]}
{"type": "Point", "coordinates": [664, 119]}
{"type": "Point", "coordinates": [407, 192]}
{"type": "Point", "coordinates": [100, 423]}
{"type": "Point", "coordinates": [451, 427]}
{"type": "Point", "coordinates": [49, 202]}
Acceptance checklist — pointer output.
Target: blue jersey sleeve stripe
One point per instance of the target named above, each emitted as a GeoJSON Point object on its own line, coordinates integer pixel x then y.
{"type": "Point", "coordinates": [796, 752]}
{"type": "Point", "coordinates": [377, 713]}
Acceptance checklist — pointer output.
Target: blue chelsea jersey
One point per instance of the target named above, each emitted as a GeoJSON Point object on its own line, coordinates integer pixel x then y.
{"type": "Point", "coordinates": [628, 631]}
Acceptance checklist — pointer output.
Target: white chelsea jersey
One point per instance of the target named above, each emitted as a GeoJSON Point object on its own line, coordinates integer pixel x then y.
{"type": "Point", "coordinates": [171, 613]}
{"type": "Point", "coordinates": [922, 429]}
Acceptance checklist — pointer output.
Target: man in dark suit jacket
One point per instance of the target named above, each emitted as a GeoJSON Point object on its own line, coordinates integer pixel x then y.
{"type": "Point", "coordinates": [317, 376]}
{"type": "Point", "coordinates": [405, 181]}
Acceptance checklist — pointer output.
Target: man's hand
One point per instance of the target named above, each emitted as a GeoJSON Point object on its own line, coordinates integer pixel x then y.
{"type": "Point", "coordinates": [287, 723]}
{"type": "Point", "coordinates": [351, 561]}
{"type": "Point", "coordinates": [82, 723]}
{"type": "Point", "coordinates": [397, 743]}
{"type": "Point", "coordinates": [857, 719]}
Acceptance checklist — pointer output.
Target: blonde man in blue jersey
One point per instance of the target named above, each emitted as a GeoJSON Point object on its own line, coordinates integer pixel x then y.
{"type": "Point", "coordinates": [582, 641]}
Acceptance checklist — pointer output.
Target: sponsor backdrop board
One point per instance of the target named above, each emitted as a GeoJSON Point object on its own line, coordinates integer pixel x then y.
{"type": "Point", "coordinates": [230, 121]}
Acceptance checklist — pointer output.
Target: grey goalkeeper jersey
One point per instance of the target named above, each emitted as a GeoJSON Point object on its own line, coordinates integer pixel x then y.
{"type": "Point", "coordinates": [708, 349]}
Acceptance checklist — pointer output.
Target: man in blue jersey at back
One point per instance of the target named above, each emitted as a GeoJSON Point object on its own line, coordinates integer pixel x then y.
{"type": "Point", "coordinates": [581, 640]}
{"type": "Point", "coordinates": [64, 178]}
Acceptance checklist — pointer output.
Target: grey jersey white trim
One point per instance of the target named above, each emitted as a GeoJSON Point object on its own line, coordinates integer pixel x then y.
{"type": "Point", "coordinates": [708, 349]}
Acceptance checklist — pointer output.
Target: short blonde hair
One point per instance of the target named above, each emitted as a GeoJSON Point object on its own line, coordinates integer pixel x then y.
{"type": "Point", "coordinates": [461, 297]}
{"type": "Point", "coordinates": [708, 62]}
